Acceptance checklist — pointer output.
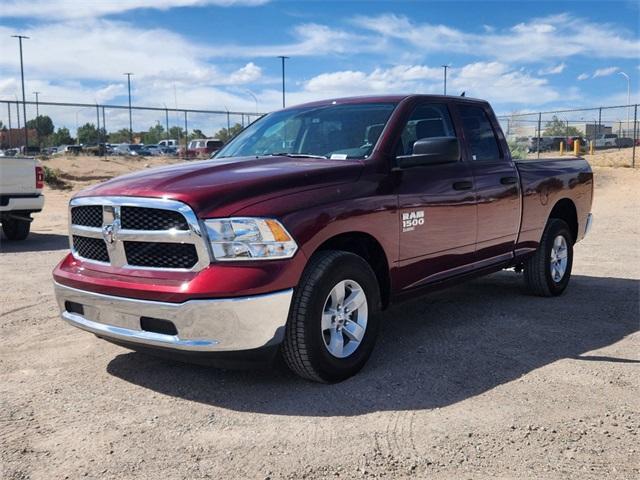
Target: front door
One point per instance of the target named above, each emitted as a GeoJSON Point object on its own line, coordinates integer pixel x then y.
{"type": "Point", "coordinates": [437, 206]}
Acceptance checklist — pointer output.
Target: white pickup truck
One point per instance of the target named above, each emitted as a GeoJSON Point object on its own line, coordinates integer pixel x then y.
{"type": "Point", "coordinates": [21, 182]}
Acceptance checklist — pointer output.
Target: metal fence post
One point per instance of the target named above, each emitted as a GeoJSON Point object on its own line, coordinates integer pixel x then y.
{"type": "Point", "coordinates": [635, 135]}
{"type": "Point", "coordinates": [599, 122]}
{"type": "Point", "coordinates": [186, 133]}
{"type": "Point", "coordinates": [10, 134]}
{"type": "Point", "coordinates": [166, 120]}
{"type": "Point", "coordinates": [539, 132]}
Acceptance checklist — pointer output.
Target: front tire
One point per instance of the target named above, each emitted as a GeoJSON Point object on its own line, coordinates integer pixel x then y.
{"type": "Point", "coordinates": [333, 322]}
{"type": "Point", "coordinates": [15, 229]}
{"type": "Point", "coordinates": [547, 273]}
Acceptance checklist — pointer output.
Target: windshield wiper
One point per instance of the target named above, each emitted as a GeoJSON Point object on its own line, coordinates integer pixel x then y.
{"type": "Point", "coordinates": [294, 155]}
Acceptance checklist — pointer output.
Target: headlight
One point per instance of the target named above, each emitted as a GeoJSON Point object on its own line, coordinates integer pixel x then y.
{"type": "Point", "coordinates": [249, 239]}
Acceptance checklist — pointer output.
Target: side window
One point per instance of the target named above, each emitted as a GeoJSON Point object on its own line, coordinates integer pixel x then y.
{"type": "Point", "coordinates": [479, 133]}
{"type": "Point", "coordinates": [426, 121]}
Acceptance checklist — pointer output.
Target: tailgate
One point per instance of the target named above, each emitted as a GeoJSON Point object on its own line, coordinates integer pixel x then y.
{"type": "Point", "coordinates": [17, 175]}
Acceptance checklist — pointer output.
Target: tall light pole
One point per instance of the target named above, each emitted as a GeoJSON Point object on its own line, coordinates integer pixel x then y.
{"type": "Point", "coordinates": [445, 67]}
{"type": "Point", "coordinates": [628, 95]}
{"type": "Point", "coordinates": [24, 99]}
{"type": "Point", "coordinates": [283, 58]}
{"type": "Point", "coordinates": [128, 74]}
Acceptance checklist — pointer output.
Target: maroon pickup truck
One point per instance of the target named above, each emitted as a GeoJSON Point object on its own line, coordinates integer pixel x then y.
{"type": "Point", "coordinates": [307, 224]}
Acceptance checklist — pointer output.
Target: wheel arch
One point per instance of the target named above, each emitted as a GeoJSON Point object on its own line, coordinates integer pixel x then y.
{"type": "Point", "coordinates": [565, 209]}
{"type": "Point", "coordinates": [369, 248]}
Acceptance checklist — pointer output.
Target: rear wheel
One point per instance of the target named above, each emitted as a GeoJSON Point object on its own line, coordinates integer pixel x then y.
{"type": "Point", "coordinates": [333, 321]}
{"type": "Point", "coordinates": [547, 273]}
{"type": "Point", "coordinates": [15, 229]}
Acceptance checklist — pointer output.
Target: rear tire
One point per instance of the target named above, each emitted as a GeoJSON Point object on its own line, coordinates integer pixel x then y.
{"type": "Point", "coordinates": [548, 271]}
{"type": "Point", "coordinates": [326, 340]}
{"type": "Point", "coordinates": [15, 229]}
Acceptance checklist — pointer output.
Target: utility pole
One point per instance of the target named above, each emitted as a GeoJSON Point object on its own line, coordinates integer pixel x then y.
{"type": "Point", "coordinates": [445, 67]}
{"type": "Point", "coordinates": [24, 99]}
{"type": "Point", "coordinates": [628, 94]}
{"type": "Point", "coordinates": [128, 74]}
{"type": "Point", "coordinates": [37, 118]}
{"type": "Point", "coordinates": [283, 58]}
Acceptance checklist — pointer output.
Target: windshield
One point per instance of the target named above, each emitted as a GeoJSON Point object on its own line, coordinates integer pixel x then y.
{"type": "Point", "coordinates": [330, 131]}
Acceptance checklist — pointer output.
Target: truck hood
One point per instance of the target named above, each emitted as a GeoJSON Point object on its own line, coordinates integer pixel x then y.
{"type": "Point", "coordinates": [221, 187]}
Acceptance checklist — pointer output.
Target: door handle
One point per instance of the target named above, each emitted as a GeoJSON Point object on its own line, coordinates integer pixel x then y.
{"type": "Point", "coordinates": [508, 180]}
{"type": "Point", "coordinates": [462, 186]}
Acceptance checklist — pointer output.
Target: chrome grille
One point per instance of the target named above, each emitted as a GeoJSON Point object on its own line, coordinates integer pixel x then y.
{"type": "Point", "coordinates": [137, 218]}
{"type": "Point", "coordinates": [89, 216]}
{"type": "Point", "coordinates": [91, 248]}
{"type": "Point", "coordinates": [139, 233]}
{"type": "Point", "coordinates": [165, 255]}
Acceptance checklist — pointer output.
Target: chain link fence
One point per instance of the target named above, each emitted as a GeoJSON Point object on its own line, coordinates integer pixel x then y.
{"type": "Point", "coordinates": [52, 124]}
{"type": "Point", "coordinates": [606, 135]}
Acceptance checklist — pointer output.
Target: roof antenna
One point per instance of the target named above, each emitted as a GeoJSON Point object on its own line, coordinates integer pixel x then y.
{"type": "Point", "coordinates": [462, 94]}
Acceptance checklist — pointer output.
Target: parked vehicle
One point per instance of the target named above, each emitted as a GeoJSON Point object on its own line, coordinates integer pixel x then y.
{"type": "Point", "coordinates": [606, 140]}
{"type": "Point", "coordinates": [50, 150]}
{"type": "Point", "coordinates": [169, 151]}
{"type": "Point", "coordinates": [168, 143]}
{"type": "Point", "coordinates": [311, 221]}
{"type": "Point", "coordinates": [9, 152]}
{"type": "Point", "coordinates": [624, 142]}
{"type": "Point", "coordinates": [153, 149]}
{"type": "Point", "coordinates": [69, 150]}
{"type": "Point", "coordinates": [203, 147]}
{"type": "Point", "coordinates": [21, 184]}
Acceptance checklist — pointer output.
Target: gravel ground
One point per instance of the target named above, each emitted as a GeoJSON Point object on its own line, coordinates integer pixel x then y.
{"type": "Point", "coordinates": [479, 381]}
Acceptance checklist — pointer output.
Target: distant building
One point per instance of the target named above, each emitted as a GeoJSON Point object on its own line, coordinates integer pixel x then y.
{"type": "Point", "coordinates": [14, 138]}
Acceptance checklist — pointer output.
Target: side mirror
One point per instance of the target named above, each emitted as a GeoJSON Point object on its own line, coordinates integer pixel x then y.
{"type": "Point", "coordinates": [431, 151]}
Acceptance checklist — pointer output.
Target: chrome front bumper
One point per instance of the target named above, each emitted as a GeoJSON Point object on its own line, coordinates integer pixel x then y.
{"type": "Point", "coordinates": [216, 325]}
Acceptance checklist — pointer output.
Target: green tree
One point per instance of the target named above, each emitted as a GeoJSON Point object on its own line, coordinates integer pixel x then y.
{"type": "Point", "coordinates": [559, 128]}
{"type": "Point", "coordinates": [196, 133]}
{"type": "Point", "coordinates": [61, 137]}
{"type": "Point", "coordinates": [176, 132]}
{"type": "Point", "coordinates": [121, 136]}
{"type": "Point", "coordinates": [42, 124]}
{"type": "Point", "coordinates": [227, 134]}
{"type": "Point", "coordinates": [87, 133]}
{"type": "Point", "coordinates": [2, 126]}
{"type": "Point", "coordinates": [153, 135]}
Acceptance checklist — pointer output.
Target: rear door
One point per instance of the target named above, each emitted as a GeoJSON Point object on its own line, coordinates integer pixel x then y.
{"type": "Point", "coordinates": [436, 205]}
{"type": "Point", "coordinates": [496, 182]}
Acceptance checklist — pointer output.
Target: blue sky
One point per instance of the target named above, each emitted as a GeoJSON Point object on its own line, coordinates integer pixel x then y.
{"type": "Point", "coordinates": [217, 54]}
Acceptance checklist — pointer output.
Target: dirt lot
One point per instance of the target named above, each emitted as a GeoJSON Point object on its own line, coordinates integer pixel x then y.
{"type": "Point", "coordinates": [480, 381]}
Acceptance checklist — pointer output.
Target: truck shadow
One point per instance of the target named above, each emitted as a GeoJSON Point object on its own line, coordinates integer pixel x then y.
{"type": "Point", "coordinates": [432, 352]}
{"type": "Point", "coordinates": [35, 242]}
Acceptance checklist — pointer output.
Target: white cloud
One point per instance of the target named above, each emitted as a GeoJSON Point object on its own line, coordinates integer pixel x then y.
{"type": "Point", "coordinates": [65, 9]}
{"type": "Point", "coordinates": [552, 37]}
{"type": "Point", "coordinates": [605, 72]}
{"type": "Point", "coordinates": [247, 74]}
{"type": "Point", "coordinates": [396, 79]}
{"type": "Point", "coordinates": [493, 81]}
{"type": "Point", "coordinates": [553, 70]}
{"type": "Point", "coordinates": [500, 84]}
{"type": "Point", "coordinates": [309, 39]}
{"type": "Point", "coordinates": [583, 76]}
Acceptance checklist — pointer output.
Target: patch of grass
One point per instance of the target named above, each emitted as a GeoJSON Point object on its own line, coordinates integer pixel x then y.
{"type": "Point", "coordinates": [52, 178]}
